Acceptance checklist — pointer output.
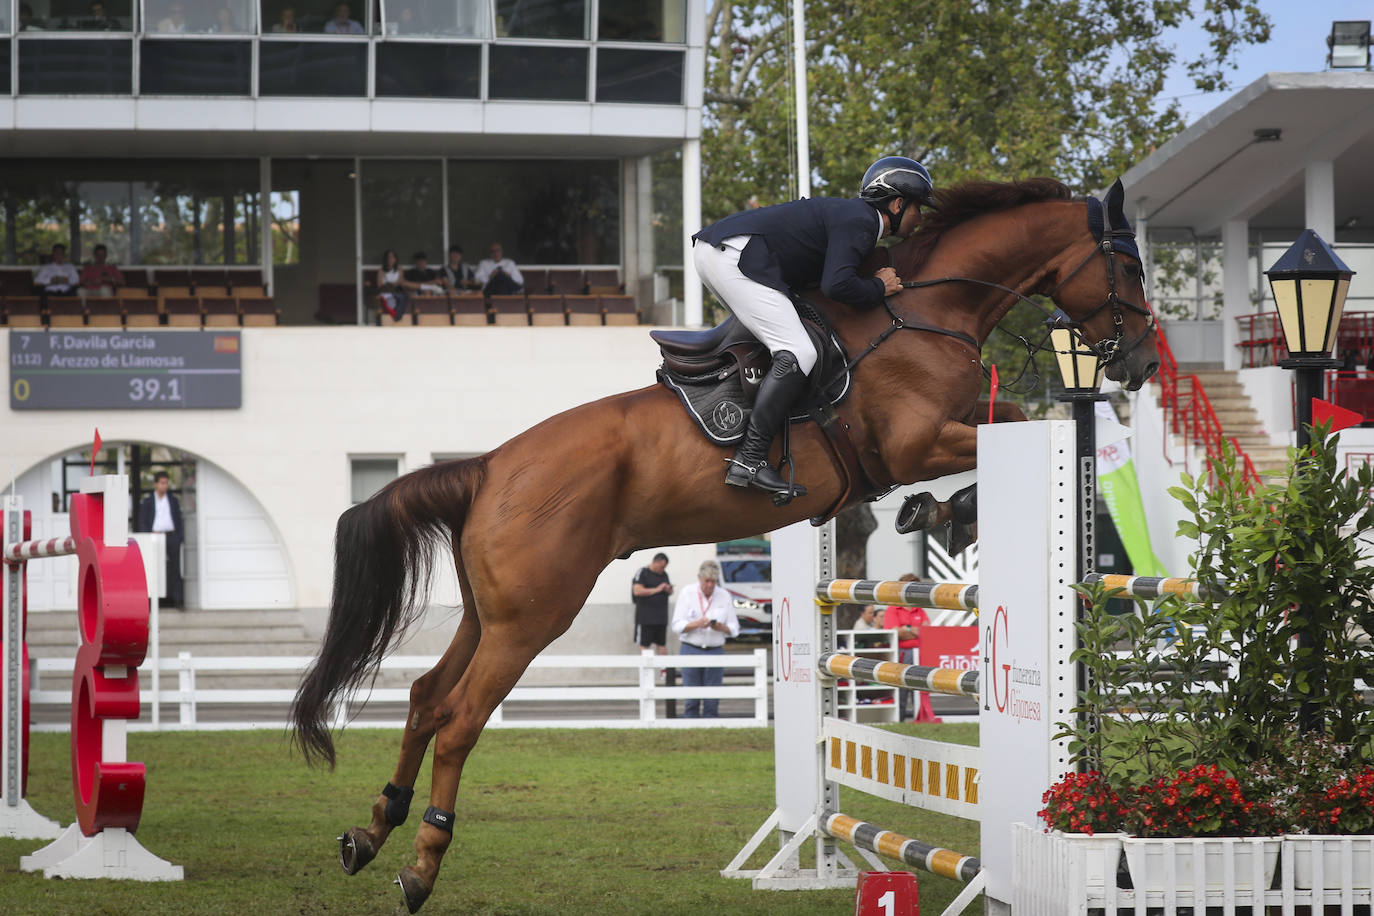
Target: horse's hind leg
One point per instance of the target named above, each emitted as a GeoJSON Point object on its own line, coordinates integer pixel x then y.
{"type": "Point", "coordinates": [360, 846]}
{"type": "Point", "coordinates": [502, 656]}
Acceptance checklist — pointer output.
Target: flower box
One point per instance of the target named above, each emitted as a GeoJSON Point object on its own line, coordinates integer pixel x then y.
{"type": "Point", "coordinates": [1102, 855]}
{"type": "Point", "coordinates": [1328, 854]}
{"type": "Point", "coordinates": [1173, 863]}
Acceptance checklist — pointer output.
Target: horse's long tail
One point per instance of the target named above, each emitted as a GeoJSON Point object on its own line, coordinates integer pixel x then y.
{"type": "Point", "coordinates": [384, 551]}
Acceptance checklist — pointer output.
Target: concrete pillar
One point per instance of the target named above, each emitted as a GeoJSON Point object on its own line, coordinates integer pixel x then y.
{"type": "Point", "coordinates": [1235, 245]}
{"type": "Point", "coordinates": [1147, 257]}
{"type": "Point", "coordinates": [629, 221]}
{"type": "Point", "coordinates": [644, 231]}
{"type": "Point", "coordinates": [691, 222]}
{"type": "Point", "coordinates": [1320, 203]}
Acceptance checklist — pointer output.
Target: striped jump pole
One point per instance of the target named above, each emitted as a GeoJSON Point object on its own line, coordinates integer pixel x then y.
{"type": "Point", "coordinates": [949, 681]}
{"type": "Point", "coordinates": [1150, 587]}
{"type": "Point", "coordinates": [951, 596]}
{"type": "Point", "coordinates": [935, 859]}
{"type": "Point", "coordinates": [33, 550]}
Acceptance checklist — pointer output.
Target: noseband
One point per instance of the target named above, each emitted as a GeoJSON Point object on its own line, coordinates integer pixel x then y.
{"type": "Point", "coordinates": [1111, 349]}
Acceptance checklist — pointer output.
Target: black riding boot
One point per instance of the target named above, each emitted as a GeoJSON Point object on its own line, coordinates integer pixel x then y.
{"type": "Point", "coordinates": [777, 393]}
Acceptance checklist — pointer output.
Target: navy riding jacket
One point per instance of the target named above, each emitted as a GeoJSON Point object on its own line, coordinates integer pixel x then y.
{"type": "Point", "coordinates": [799, 244]}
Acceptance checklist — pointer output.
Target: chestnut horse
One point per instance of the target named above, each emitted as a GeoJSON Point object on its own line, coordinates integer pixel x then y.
{"type": "Point", "coordinates": [533, 523]}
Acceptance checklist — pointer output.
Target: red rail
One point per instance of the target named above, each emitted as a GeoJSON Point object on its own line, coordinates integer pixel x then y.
{"type": "Point", "coordinates": [1261, 339]}
{"type": "Point", "coordinates": [1188, 413]}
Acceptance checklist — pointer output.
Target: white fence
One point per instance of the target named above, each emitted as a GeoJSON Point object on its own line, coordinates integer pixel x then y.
{"type": "Point", "coordinates": [643, 691]}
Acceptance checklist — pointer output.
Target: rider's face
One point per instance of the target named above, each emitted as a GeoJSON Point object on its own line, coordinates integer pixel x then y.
{"type": "Point", "coordinates": [910, 220]}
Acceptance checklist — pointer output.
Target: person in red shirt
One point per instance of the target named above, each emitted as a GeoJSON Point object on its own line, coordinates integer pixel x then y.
{"type": "Point", "coordinates": [100, 278]}
{"type": "Point", "coordinates": [908, 621]}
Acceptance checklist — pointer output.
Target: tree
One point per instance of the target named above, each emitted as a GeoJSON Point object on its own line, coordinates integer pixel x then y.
{"type": "Point", "coordinates": [994, 89]}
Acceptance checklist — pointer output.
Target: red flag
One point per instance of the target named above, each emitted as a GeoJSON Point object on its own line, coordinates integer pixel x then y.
{"type": "Point", "coordinates": [992, 391]}
{"type": "Point", "coordinates": [1340, 417]}
{"type": "Point", "coordinates": [95, 448]}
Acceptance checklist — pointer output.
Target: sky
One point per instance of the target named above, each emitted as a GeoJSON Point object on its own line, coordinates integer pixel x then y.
{"type": "Point", "coordinates": [1297, 44]}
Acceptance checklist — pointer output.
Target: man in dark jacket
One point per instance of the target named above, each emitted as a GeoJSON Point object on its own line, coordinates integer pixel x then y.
{"type": "Point", "coordinates": [160, 511]}
{"type": "Point", "coordinates": [751, 259]}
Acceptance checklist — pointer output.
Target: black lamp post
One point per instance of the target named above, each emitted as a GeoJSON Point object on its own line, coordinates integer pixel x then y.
{"type": "Point", "coordinates": [1309, 283]}
{"type": "Point", "coordinates": [1080, 370]}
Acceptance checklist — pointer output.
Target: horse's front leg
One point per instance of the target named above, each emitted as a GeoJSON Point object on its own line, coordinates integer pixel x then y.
{"type": "Point", "coordinates": [954, 451]}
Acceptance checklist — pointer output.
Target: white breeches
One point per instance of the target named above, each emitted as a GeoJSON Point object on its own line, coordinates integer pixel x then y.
{"type": "Point", "coordinates": [766, 312]}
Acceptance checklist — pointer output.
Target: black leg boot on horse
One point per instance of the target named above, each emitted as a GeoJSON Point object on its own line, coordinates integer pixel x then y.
{"type": "Point", "coordinates": [778, 391]}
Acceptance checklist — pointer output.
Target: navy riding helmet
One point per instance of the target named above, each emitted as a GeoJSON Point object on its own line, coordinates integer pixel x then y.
{"type": "Point", "coordinates": [895, 176]}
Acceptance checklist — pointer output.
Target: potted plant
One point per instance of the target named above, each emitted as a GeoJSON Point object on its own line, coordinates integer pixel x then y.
{"type": "Point", "coordinates": [1088, 812]}
{"type": "Point", "coordinates": [1341, 821]}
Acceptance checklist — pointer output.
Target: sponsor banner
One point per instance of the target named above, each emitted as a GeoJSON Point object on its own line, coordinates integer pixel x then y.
{"type": "Point", "coordinates": [949, 647]}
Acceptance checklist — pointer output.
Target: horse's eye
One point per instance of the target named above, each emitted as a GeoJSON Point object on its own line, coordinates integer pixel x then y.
{"type": "Point", "coordinates": [1132, 271]}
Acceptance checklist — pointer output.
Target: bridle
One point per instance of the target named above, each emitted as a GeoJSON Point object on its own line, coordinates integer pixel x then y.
{"type": "Point", "coordinates": [1109, 350]}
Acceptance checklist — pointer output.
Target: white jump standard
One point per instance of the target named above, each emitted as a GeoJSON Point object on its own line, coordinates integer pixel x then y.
{"type": "Point", "coordinates": [1029, 557]}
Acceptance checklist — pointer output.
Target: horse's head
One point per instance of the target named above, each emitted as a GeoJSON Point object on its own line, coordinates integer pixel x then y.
{"type": "Point", "coordinates": [1103, 291]}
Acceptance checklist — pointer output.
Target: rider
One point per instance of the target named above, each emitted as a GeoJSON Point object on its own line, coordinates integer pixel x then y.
{"type": "Point", "coordinates": [751, 259]}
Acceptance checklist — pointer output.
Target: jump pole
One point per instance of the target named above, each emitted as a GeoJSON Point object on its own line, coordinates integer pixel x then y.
{"type": "Point", "coordinates": [1028, 501]}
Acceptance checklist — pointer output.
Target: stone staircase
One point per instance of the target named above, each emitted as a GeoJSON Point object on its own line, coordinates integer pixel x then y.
{"type": "Point", "coordinates": [1238, 417]}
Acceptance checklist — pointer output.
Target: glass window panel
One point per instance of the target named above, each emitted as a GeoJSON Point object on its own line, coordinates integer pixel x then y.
{"type": "Point", "coordinates": [402, 209]}
{"type": "Point", "coordinates": [76, 67]}
{"type": "Point", "coordinates": [5, 51]}
{"type": "Point", "coordinates": [169, 67]}
{"type": "Point", "coordinates": [200, 17]}
{"type": "Point", "coordinates": [286, 227]}
{"type": "Point", "coordinates": [4, 17]}
{"type": "Point", "coordinates": [542, 211]}
{"type": "Point", "coordinates": [632, 75]}
{"type": "Point", "coordinates": [524, 72]}
{"type": "Point", "coordinates": [368, 475]}
{"type": "Point", "coordinates": [318, 16]}
{"type": "Point", "coordinates": [428, 70]}
{"type": "Point", "coordinates": [541, 18]}
{"type": "Point", "coordinates": [145, 211]}
{"type": "Point", "coordinates": [642, 20]}
{"type": "Point", "coordinates": [76, 15]}
{"type": "Point", "coordinates": [312, 68]}
{"type": "Point", "coordinates": [457, 18]}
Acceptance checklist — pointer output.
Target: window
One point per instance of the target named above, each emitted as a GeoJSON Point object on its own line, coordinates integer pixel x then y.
{"type": "Point", "coordinates": [5, 50]}
{"type": "Point", "coordinates": [439, 18]}
{"type": "Point", "coordinates": [403, 209]}
{"type": "Point", "coordinates": [145, 211]}
{"type": "Point", "coordinates": [316, 17]}
{"type": "Point", "coordinates": [76, 67]}
{"type": "Point", "coordinates": [526, 72]}
{"type": "Point", "coordinates": [200, 17]}
{"type": "Point", "coordinates": [631, 75]}
{"type": "Point", "coordinates": [312, 68]}
{"type": "Point", "coordinates": [368, 475]}
{"type": "Point", "coordinates": [541, 19]}
{"type": "Point", "coordinates": [428, 70]}
{"type": "Point", "coordinates": [638, 20]}
{"type": "Point", "coordinates": [75, 15]}
{"type": "Point", "coordinates": [169, 67]}
{"type": "Point", "coordinates": [542, 211]}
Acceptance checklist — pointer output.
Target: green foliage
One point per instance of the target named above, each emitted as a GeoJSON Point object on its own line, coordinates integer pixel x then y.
{"type": "Point", "coordinates": [1223, 681]}
{"type": "Point", "coordinates": [991, 89]}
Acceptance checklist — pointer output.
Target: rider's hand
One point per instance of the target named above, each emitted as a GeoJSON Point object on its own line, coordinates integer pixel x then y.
{"type": "Point", "coordinates": [892, 284]}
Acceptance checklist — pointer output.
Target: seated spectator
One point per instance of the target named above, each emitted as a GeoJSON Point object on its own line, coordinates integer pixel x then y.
{"type": "Point", "coordinates": [97, 21]}
{"type": "Point", "coordinates": [343, 22]}
{"type": "Point", "coordinates": [458, 274]}
{"type": "Point", "coordinates": [100, 278]}
{"type": "Point", "coordinates": [421, 279]}
{"type": "Point", "coordinates": [391, 294]}
{"type": "Point", "coordinates": [224, 22]}
{"type": "Point", "coordinates": [868, 619]}
{"type": "Point", "coordinates": [498, 274]}
{"type": "Point", "coordinates": [287, 23]}
{"type": "Point", "coordinates": [27, 21]}
{"type": "Point", "coordinates": [175, 21]}
{"type": "Point", "coordinates": [58, 276]}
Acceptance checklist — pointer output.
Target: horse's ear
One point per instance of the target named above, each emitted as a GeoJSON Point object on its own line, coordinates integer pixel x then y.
{"type": "Point", "coordinates": [1115, 201]}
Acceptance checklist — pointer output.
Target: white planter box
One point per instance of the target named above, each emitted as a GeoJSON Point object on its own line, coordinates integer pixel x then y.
{"type": "Point", "coordinates": [1322, 862]}
{"type": "Point", "coordinates": [1101, 854]}
{"type": "Point", "coordinates": [1178, 864]}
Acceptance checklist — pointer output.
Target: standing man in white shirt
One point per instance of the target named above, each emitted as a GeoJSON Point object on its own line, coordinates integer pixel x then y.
{"type": "Point", "coordinates": [160, 511]}
{"type": "Point", "coordinates": [703, 618]}
{"type": "Point", "coordinates": [498, 274]}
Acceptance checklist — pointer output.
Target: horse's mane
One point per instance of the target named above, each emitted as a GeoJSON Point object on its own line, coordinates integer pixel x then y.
{"type": "Point", "coordinates": [961, 202]}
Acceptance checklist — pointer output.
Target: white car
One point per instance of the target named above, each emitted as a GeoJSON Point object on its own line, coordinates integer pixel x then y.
{"type": "Point", "coordinates": [749, 580]}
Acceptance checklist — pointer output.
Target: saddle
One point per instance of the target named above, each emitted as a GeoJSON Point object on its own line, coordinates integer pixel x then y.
{"type": "Point", "coordinates": [716, 372]}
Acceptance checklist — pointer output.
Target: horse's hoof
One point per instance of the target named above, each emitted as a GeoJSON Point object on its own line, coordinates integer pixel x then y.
{"type": "Point", "coordinates": [917, 513]}
{"type": "Point", "coordinates": [960, 537]}
{"type": "Point", "coordinates": [415, 889]}
{"type": "Point", "coordinates": [356, 850]}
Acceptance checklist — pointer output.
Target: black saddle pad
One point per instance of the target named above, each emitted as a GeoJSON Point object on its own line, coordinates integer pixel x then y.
{"type": "Point", "coordinates": [716, 402]}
